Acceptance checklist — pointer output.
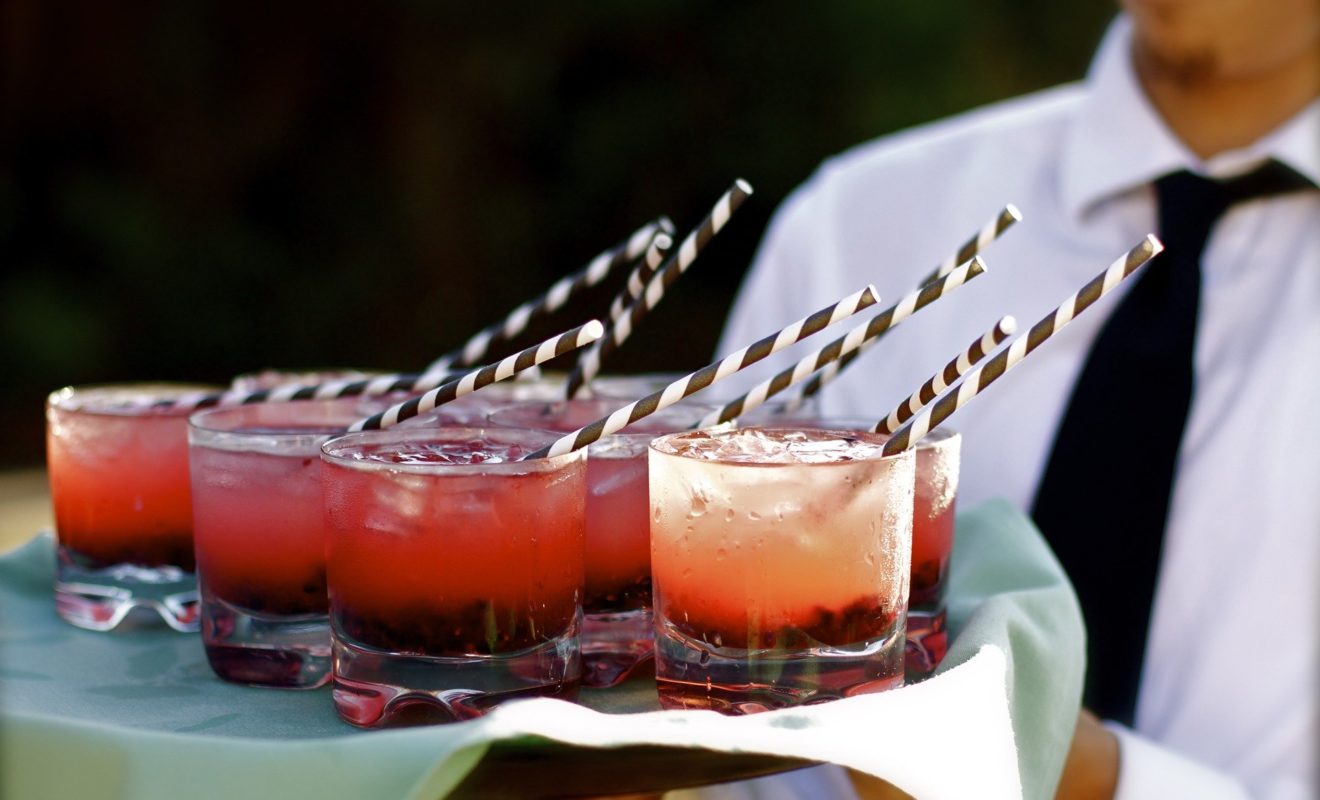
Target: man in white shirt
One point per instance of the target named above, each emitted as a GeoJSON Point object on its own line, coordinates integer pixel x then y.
{"type": "Point", "coordinates": [1226, 705]}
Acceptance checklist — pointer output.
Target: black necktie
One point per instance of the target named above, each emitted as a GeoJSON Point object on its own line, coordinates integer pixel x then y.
{"type": "Point", "coordinates": [1104, 498]}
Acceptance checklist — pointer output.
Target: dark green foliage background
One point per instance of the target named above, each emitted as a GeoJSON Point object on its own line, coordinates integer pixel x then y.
{"type": "Point", "coordinates": [193, 189]}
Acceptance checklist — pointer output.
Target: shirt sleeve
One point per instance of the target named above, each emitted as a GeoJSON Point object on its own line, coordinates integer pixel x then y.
{"type": "Point", "coordinates": [1148, 770]}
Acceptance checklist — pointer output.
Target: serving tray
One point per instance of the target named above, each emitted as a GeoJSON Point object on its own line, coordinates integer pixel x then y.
{"type": "Point", "coordinates": [138, 713]}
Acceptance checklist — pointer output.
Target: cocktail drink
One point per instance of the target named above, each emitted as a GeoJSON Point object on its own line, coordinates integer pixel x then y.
{"type": "Point", "coordinates": [119, 485]}
{"type": "Point", "coordinates": [938, 458]}
{"type": "Point", "coordinates": [780, 563]}
{"type": "Point", "coordinates": [260, 538]}
{"type": "Point", "coordinates": [454, 571]}
{"type": "Point", "coordinates": [617, 632]}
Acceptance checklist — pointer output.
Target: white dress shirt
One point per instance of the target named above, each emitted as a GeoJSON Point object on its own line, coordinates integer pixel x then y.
{"type": "Point", "coordinates": [1227, 704]}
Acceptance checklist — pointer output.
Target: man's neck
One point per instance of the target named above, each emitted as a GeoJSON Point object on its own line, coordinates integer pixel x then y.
{"type": "Point", "coordinates": [1213, 113]}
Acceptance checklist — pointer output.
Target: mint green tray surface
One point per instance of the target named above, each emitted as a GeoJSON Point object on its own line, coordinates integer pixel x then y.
{"type": "Point", "coordinates": [139, 714]}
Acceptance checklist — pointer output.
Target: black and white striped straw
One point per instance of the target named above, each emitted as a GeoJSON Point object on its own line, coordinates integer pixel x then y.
{"type": "Point", "coordinates": [526, 359]}
{"type": "Point", "coordinates": [945, 378]}
{"type": "Point", "coordinates": [696, 381]}
{"type": "Point", "coordinates": [992, 230]}
{"type": "Point", "coordinates": [475, 350]}
{"type": "Point", "coordinates": [841, 350]}
{"type": "Point", "coordinates": [974, 382]}
{"type": "Point", "coordinates": [831, 359]}
{"type": "Point", "coordinates": [637, 279]}
{"type": "Point", "coordinates": [589, 365]}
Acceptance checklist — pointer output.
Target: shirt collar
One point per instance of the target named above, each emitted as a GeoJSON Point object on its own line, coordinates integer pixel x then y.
{"type": "Point", "coordinates": [1292, 143]}
{"type": "Point", "coordinates": [1119, 141]}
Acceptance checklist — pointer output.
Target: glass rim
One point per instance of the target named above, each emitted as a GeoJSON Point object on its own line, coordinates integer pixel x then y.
{"type": "Point", "coordinates": [881, 458]}
{"type": "Point", "coordinates": [937, 437]}
{"type": "Point", "coordinates": [209, 421]}
{"type": "Point", "coordinates": [401, 435]}
{"type": "Point", "coordinates": [63, 398]}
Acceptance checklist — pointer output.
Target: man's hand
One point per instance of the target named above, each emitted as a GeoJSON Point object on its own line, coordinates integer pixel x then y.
{"type": "Point", "coordinates": [1091, 771]}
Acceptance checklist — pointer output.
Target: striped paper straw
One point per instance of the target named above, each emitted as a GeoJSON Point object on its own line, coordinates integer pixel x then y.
{"type": "Point", "coordinates": [988, 233]}
{"type": "Point", "coordinates": [952, 371]}
{"type": "Point", "coordinates": [912, 431]}
{"type": "Point", "coordinates": [539, 354]}
{"type": "Point", "coordinates": [655, 256]}
{"type": "Point", "coordinates": [833, 357]}
{"type": "Point", "coordinates": [841, 350]}
{"type": "Point", "coordinates": [475, 350]}
{"type": "Point", "coordinates": [329, 390]}
{"type": "Point", "coordinates": [588, 365]}
{"type": "Point", "coordinates": [696, 381]}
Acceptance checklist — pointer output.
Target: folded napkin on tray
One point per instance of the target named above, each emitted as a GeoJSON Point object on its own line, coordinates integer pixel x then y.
{"type": "Point", "coordinates": [138, 714]}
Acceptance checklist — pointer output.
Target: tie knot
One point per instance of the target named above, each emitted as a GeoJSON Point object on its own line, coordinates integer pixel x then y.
{"type": "Point", "coordinates": [1192, 191]}
{"type": "Point", "coordinates": [1190, 204]}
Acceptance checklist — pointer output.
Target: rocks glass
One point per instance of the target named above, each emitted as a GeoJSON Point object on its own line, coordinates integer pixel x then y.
{"type": "Point", "coordinates": [118, 469]}
{"type": "Point", "coordinates": [780, 560]}
{"type": "Point", "coordinates": [260, 538]}
{"type": "Point", "coordinates": [454, 570]}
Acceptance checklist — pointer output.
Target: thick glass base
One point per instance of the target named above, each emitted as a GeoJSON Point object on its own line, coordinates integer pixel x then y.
{"type": "Point", "coordinates": [694, 674]}
{"type": "Point", "coordinates": [927, 642]}
{"type": "Point", "coordinates": [375, 688]}
{"type": "Point", "coordinates": [263, 650]}
{"type": "Point", "coordinates": [615, 644]}
{"type": "Point", "coordinates": [101, 598]}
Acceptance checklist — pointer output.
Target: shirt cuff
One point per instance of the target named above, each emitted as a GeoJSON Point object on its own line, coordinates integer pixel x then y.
{"type": "Point", "coordinates": [1149, 770]}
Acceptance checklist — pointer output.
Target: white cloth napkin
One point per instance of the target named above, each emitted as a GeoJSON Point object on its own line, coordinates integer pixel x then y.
{"type": "Point", "coordinates": [948, 737]}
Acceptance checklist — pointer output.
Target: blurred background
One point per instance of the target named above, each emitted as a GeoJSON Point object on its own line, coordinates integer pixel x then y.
{"type": "Point", "coordinates": [194, 189]}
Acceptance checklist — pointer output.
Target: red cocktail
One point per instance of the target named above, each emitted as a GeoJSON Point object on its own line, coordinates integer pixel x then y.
{"type": "Point", "coordinates": [938, 459]}
{"type": "Point", "coordinates": [454, 570]}
{"type": "Point", "coordinates": [780, 561]}
{"type": "Point", "coordinates": [260, 538]}
{"type": "Point", "coordinates": [119, 484]}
